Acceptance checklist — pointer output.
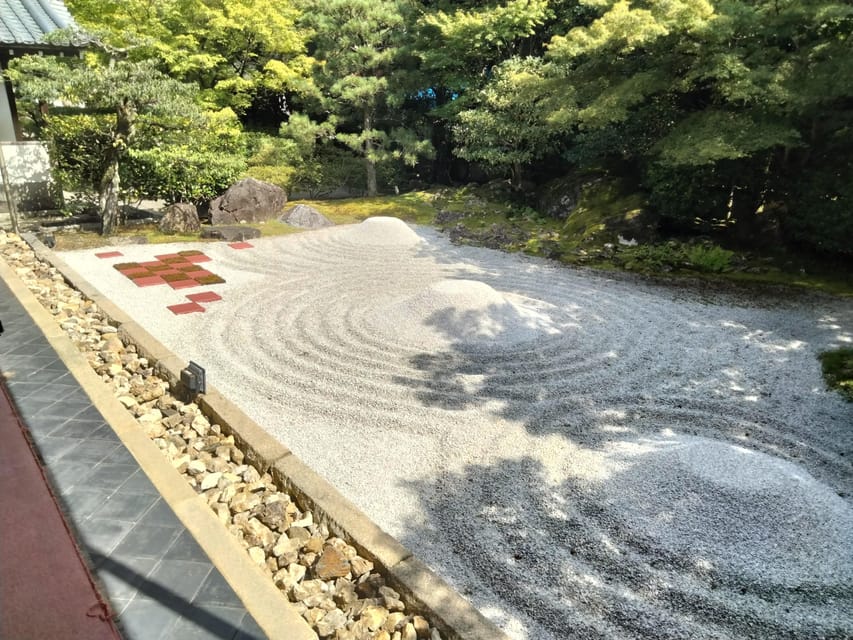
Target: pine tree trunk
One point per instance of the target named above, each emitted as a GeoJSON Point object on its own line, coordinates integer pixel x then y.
{"type": "Point", "coordinates": [369, 163]}
{"type": "Point", "coordinates": [109, 197]}
{"type": "Point", "coordinates": [110, 183]}
{"type": "Point", "coordinates": [515, 180]}
{"type": "Point", "coordinates": [372, 189]}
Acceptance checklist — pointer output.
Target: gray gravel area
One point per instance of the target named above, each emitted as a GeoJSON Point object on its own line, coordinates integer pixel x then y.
{"type": "Point", "coordinates": [580, 455]}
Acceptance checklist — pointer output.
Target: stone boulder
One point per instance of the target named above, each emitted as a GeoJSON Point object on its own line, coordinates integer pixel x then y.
{"type": "Point", "coordinates": [306, 217]}
{"type": "Point", "coordinates": [248, 200]}
{"type": "Point", "coordinates": [181, 217]}
{"type": "Point", "coordinates": [559, 198]}
{"type": "Point", "coordinates": [230, 233]}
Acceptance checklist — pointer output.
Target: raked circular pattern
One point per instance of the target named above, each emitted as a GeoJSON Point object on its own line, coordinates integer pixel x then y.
{"type": "Point", "coordinates": [581, 456]}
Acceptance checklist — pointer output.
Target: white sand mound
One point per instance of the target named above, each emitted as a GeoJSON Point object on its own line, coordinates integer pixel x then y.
{"type": "Point", "coordinates": [383, 231]}
{"type": "Point", "coordinates": [464, 312]}
{"type": "Point", "coordinates": [735, 509]}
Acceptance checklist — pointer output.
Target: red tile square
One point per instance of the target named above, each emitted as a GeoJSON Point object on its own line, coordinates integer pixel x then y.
{"type": "Point", "coordinates": [204, 296]}
{"type": "Point", "coordinates": [196, 258]}
{"type": "Point", "coordinates": [240, 245]}
{"type": "Point", "coordinates": [183, 284]}
{"type": "Point", "coordinates": [186, 307]}
{"type": "Point", "coordinates": [148, 281]}
{"type": "Point", "coordinates": [109, 254]}
{"type": "Point", "coordinates": [135, 272]}
{"type": "Point", "coordinates": [198, 273]}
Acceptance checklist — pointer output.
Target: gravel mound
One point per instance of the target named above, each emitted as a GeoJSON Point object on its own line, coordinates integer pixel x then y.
{"type": "Point", "coordinates": [382, 230]}
{"type": "Point", "coordinates": [789, 528]}
{"type": "Point", "coordinates": [465, 313]}
{"type": "Point", "coordinates": [580, 455]}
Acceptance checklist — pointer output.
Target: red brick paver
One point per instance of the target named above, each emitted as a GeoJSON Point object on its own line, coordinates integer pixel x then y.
{"type": "Point", "coordinates": [186, 307]}
{"type": "Point", "coordinates": [204, 296]}
{"type": "Point", "coordinates": [148, 281]}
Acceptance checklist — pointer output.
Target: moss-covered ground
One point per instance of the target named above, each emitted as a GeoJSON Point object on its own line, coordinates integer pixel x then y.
{"type": "Point", "coordinates": [600, 231]}
{"type": "Point", "coordinates": [838, 370]}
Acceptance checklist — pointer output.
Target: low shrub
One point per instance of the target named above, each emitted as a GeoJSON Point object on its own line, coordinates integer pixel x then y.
{"type": "Point", "coordinates": [674, 255]}
{"type": "Point", "coordinates": [709, 258]}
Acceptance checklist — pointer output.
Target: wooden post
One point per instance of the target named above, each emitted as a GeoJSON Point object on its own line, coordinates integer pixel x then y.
{"type": "Point", "coordinates": [4, 175]}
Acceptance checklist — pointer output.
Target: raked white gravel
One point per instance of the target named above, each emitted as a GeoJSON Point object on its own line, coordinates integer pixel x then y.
{"type": "Point", "coordinates": [582, 456]}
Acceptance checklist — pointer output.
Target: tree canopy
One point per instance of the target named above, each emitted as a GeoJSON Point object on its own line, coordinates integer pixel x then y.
{"type": "Point", "coordinates": [734, 110]}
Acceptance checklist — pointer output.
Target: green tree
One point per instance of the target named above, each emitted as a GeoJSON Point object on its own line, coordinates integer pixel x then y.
{"type": "Point", "coordinates": [504, 126]}
{"type": "Point", "coordinates": [125, 90]}
{"type": "Point", "coordinates": [236, 51]}
{"type": "Point", "coordinates": [358, 46]}
{"type": "Point", "coordinates": [458, 44]}
{"type": "Point", "coordinates": [733, 95]}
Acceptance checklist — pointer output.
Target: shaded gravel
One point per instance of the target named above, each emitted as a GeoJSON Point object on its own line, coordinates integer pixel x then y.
{"type": "Point", "coordinates": [579, 455]}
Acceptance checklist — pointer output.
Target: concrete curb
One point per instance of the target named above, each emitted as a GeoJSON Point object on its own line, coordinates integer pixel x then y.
{"type": "Point", "coordinates": [429, 594]}
{"type": "Point", "coordinates": [261, 598]}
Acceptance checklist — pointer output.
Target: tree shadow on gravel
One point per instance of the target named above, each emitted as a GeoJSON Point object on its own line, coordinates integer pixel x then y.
{"type": "Point", "coordinates": [564, 558]}
{"type": "Point", "coordinates": [567, 380]}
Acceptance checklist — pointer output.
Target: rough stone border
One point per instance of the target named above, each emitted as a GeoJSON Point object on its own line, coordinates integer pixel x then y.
{"type": "Point", "coordinates": [454, 616]}
{"type": "Point", "coordinates": [262, 599]}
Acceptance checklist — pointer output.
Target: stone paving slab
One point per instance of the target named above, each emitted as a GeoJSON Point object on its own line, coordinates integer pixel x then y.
{"type": "Point", "coordinates": [41, 569]}
{"type": "Point", "coordinates": [157, 578]}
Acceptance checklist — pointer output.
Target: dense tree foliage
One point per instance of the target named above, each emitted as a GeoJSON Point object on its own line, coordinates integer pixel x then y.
{"type": "Point", "coordinates": [743, 105]}
{"type": "Point", "coordinates": [238, 52]}
{"type": "Point", "coordinates": [126, 91]}
{"type": "Point", "coordinates": [358, 44]}
{"type": "Point", "coordinates": [723, 114]}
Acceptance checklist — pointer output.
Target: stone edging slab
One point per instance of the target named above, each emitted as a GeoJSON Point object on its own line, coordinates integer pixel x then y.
{"type": "Point", "coordinates": [422, 588]}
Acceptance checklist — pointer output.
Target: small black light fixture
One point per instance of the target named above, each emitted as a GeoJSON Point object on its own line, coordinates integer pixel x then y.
{"type": "Point", "coordinates": [193, 379]}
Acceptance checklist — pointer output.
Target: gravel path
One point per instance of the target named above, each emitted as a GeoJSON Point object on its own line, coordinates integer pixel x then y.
{"type": "Point", "coordinates": [581, 456]}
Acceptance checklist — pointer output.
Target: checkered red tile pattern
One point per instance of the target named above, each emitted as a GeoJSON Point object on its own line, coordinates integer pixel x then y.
{"type": "Point", "coordinates": [178, 270]}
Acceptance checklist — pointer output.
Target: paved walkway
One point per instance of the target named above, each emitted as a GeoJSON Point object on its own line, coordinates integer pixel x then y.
{"type": "Point", "coordinates": [159, 582]}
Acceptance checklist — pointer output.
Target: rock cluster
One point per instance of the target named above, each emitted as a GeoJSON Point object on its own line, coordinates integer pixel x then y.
{"type": "Point", "coordinates": [336, 590]}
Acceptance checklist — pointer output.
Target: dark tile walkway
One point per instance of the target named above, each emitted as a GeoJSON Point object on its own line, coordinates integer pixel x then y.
{"type": "Point", "coordinates": [157, 578]}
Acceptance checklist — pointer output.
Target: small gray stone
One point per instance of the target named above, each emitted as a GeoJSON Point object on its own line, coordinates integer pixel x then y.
{"type": "Point", "coordinates": [210, 481]}
{"type": "Point", "coordinates": [230, 233]}
{"type": "Point", "coordinates": [305, 217]}
{"type": "Point", "coordinates": [331, 622]}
